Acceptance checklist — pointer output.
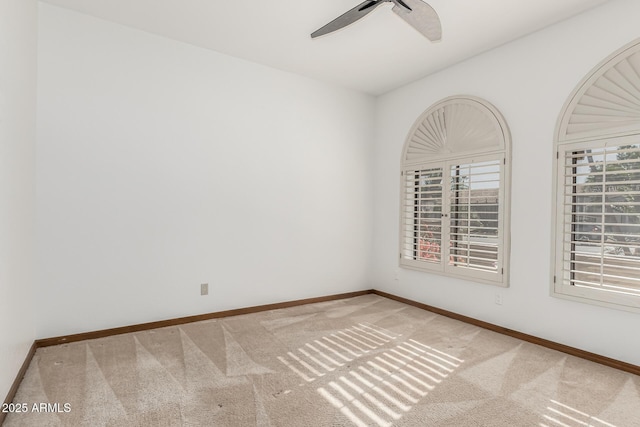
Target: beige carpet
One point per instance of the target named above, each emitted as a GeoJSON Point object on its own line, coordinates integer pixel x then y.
{"type": "Point", "coordinates": [365, 361]}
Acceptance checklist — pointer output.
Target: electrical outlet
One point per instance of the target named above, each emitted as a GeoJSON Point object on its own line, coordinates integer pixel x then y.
{"type": "Point", "coordinates": [204, 289]}
{"type": "Point", "coordinates": [498, 298]}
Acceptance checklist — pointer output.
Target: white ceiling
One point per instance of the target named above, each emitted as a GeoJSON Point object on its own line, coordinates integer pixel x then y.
{"type": "Point", "coordinates": [374, 55]}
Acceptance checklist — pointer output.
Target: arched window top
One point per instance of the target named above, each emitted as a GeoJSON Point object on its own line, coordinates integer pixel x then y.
{"type": "Point", "coordinates": [606, 102]}
{"type": "Point", "coordinates": [454, 127]}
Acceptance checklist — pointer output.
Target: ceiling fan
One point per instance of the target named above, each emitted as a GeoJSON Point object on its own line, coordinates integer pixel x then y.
{"type": "Point", "coordinates": [416, 13]}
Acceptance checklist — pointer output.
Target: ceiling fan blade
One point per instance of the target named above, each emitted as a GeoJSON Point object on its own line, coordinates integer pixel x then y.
{"type": "Point", "coordinates": [349, 17]}
{"type": "Point", "coordinates": [420, 16]}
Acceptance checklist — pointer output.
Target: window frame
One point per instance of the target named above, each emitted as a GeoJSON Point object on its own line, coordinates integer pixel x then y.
{"type": "Point", "coordinates": [593, 116]}
{"type": "Point", "coordinates": [499, 153]}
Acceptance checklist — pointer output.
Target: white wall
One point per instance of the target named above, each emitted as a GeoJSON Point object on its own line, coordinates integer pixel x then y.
{"type": "Point", "coordinates": [18, 26]}
{"type": "Point", "coordinates": [161, 166]}
{"type": "Point", "coordinates": [528, 81]}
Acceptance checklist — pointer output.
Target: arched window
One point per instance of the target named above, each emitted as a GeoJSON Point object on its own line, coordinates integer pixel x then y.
{"type": "Point", "coordinates": [596, 244]}
{"type": "Point", "coordinates": [455, 192]}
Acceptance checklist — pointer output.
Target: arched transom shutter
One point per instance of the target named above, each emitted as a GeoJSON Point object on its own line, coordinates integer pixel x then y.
{"type": "Point", "coordinates": [454, 126]}
{"type": "Point", "coordinates": [607, 101]}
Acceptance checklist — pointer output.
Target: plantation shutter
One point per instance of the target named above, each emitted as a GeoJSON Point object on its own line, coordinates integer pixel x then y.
{"type": "Point", "coordinates": [475, 215]}
{"type": "Point", "coordinates": [422, 208]}
{"type": "Point", "coordinates": [601, 235]}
